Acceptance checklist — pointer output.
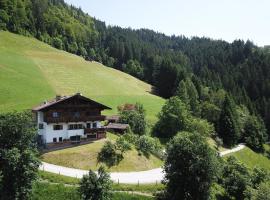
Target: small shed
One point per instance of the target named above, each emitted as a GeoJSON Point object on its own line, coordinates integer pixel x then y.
{"type": "Point", "coordinates": [113, 118]}
{"type": "Point", "coordinates": [117, 127]}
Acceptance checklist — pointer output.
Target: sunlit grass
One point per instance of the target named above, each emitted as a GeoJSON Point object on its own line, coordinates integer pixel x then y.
{"type": "Point", "coordinates": [252, 159]}
{"type": "Point", "coordinates": [31, 71]}
{"type": "Point", "coordinates": [85, 157]}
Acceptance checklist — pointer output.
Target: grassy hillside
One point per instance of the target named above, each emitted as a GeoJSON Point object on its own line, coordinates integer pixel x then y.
{"type": "Point", "coordinates": [42, 191]}
{"type": "Point", "coordinates": [85, 157]}
{"type": "Point", "coordinates": [252, 159]}
{"type": "Point", "coordinates": [31, 71]}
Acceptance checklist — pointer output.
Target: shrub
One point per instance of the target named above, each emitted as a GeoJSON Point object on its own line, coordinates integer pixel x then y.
{"type": "Point", "coordinates": [134, 115]}
{"type": "Point", "coordinates": [96, 186]}
{"type": "Point", "coordinates": [122, 145]}
{"type": "Point", "coordinates": [108, 154]}
{"type": "Point", "coordinates": [219, 142]}
{"type": "Point", "coordinates": [57, 43]}
{"type": "Point", "coordinates": [147, 145]}
{"type": "Point", "coordinates": [131, 138]}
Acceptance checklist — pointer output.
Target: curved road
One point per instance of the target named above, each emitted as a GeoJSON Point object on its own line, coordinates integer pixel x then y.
{"type": "Point", "coordinates": [150, 176]}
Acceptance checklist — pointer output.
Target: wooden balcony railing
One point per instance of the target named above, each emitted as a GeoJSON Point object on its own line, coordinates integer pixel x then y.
{"type": "Point", "coordinates": [74, 119]}
{"type": "Point", "coordinates": [94, 130]}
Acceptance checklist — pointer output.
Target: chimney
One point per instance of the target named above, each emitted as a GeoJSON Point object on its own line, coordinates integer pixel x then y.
{"type": "Point", "coordinates": [45, 102]}
{"type": "Point", "coordinates": [78, 93]}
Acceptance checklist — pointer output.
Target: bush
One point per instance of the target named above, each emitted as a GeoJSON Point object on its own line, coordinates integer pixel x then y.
{"type": "Point", "coordinates": [108, 154]}
{"type": "Point", "coordinates": [96, 186]}
{"type": "Point", "coordinates": [134, 115]}
{"type": "Point", "coordinates": [201, 126]}
{"type": "Point", "coordinates": [122, 145]}
{"type": "Point", "coordinates": [57, 43]}
{"type": "Point", "coordinates": [131, 138]}
{"type": "Point", "coordinates": [147, 145]}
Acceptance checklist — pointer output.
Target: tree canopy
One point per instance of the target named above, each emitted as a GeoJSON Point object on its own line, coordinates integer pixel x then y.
{"type": "Point", "coordinates": [18, 155]}
{"type": "Point", "coordinates": [190, 168]}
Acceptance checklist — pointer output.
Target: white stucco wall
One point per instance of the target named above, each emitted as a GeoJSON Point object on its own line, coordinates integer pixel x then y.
{"type": "Point", "coordinates": [48, 133]}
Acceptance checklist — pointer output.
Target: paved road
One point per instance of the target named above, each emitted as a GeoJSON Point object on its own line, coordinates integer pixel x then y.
{"type": "Point", "coordinates": [238, 148]}
{"type": "Point", "coordinates": [150, 176]}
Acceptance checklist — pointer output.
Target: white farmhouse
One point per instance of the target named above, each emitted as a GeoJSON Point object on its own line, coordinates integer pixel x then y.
{"type": "Point", "coordinates": [69, 119]}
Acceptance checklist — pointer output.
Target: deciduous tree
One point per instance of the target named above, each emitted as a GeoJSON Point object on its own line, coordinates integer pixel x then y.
{"type": "Point", "coordinates": [190, 168]}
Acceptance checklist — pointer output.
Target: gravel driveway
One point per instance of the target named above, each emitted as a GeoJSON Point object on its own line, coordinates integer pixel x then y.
{"type": "Point", "coordinates": [150, 176]}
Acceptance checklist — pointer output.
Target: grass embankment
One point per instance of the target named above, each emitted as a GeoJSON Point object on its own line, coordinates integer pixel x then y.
{"type": "Point", "coordinates": [85, 157]}
{"type": "Point", "coordinates": [60, 187]}
{"type": "Point", "coordinates": [46, 191]}
{"type": "Point", "coordinates": [252, 159]}
{"type": "Point", "coordinates": [144, 188]}
{"type": "Point", "coordinates": [31, 71]}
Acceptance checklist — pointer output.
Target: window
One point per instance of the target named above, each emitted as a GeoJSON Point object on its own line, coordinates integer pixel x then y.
{"type": "Point", "coordinates": [40, 126]}
{"type": "Point", "coordinates": [75, 126]}
{"type": "Point", "coordinates": [60, 139]}
{"type": "Point", "coordinates": [88, 125]}
{"type": "Point", "coordinates": [95, 125]}
{"type": "Point", "coordinates": [70, 127]}
{"type": "Point", "coordinates": [54, 140]}
{"type": "Point", "coordinates": [57, 127]}
{"type": "Point", "coordinates": [80, 126]}
{"type": "Point", "coordinates": [55, 114]}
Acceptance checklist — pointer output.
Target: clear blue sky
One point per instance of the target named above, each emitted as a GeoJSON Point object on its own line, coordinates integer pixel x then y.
{"type": "Point", "coordinates": [218, 19]}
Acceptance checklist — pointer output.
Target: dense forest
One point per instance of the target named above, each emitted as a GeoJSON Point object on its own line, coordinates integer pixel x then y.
{"type": "Point", "coordinates": [200, 68]}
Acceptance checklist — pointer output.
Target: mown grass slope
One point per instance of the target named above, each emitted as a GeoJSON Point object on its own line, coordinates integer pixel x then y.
{"type": "Point", "coordinates": [85, 157]}
{"type": "Point", "coordinates": [46, 191]}
{"type": "Point", "coordinates": [32, 71]}
{"type": "Point", "coordinates": [252, 159]}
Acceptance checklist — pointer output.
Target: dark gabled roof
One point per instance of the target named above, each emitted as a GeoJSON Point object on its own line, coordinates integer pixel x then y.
{"type": "Point", "coordinates": [59, 99]}
{"type": "Point", "coordinates": [117, 126]}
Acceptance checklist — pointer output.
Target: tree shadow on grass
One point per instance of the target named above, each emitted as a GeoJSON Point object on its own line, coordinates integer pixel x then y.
{"type": "Point", "coordinates": [111, 160]}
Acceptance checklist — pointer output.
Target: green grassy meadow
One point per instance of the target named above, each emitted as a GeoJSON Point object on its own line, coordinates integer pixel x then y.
{"type": "Point", "coordinates": [252, 159]}
{"type": "Point", "coordinates": [47, 191]}
{"type": "Point", "coordinates": [60, 179]}
{"type": "Point", "coordinates": [32, 71]}
{"type": "Point", "coordinates": [85, 157]}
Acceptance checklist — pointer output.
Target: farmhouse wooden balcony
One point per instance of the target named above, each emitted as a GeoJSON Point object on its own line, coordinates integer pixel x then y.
{"type": "Point", "coordinates": [94, 130]}
{"type": "Point", "coordinates": [67, 119]}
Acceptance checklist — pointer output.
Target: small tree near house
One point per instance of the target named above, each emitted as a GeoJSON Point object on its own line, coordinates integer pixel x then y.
{"type": "Point", "coordinates": [134, 115]}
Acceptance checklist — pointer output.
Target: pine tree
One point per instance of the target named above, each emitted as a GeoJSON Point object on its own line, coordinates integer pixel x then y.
{"type": "Point", "coordinates": [181, 92]}
{"type": "Point", "coordinates": [228, 127]}
{"type": "Point", "coordinates": [193, 97]}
